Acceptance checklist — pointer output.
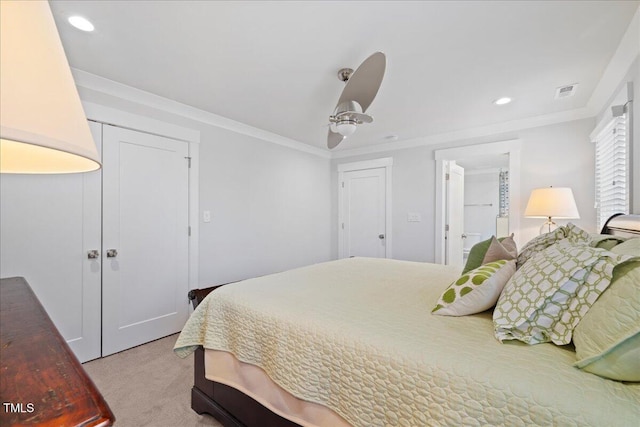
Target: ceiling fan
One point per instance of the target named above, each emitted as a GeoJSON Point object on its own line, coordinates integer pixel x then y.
{"type": "Point", "coordinates": [361, 87]}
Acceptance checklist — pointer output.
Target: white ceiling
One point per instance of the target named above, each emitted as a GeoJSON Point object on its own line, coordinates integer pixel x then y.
{"type": "Point", "coordinates": [273, 65]}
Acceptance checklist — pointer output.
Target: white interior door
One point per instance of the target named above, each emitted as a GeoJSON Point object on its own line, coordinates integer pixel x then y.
{"type": "Point", "coordinates": [145, 237]}
{"type": "Point", "coordinates": [364, 213]}
{"type": "Point", "coordinates": [48, 223]}
{"type": "Point", "coordinates": [454, 222]}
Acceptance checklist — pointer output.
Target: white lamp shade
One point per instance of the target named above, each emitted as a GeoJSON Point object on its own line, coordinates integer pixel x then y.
{"type": "Point", "coordinates": [43, 128]}
{"type": "Point", "coordinates": [552, 202]}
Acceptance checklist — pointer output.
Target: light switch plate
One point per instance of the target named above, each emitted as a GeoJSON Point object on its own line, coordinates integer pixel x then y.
{"type": "Point", "coordinates": [413, 217]}
{"type": "Point", "coordinates": [206, 216]}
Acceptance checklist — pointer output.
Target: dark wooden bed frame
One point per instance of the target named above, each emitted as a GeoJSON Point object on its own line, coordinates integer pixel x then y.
{"type": "Point", "coordinates": [228, 405]}
{"type": "Point", "coordinates": [235, 409]}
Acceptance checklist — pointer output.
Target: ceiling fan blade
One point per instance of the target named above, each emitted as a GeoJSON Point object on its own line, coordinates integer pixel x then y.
{"type": "Point", "coordinates": [333, 139]}
{"type": "Point", "coordinates": [364, 118]}
{"type": "Point", "coordinates": [364, 83]}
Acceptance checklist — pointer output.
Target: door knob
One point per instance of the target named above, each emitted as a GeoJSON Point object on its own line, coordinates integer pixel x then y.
{"type": "Point", "coordinates": [93, 254]}
{"type": "Point", "coordinates": [112, 253]}
{"type": "Point", "coordinates": [381, 236]}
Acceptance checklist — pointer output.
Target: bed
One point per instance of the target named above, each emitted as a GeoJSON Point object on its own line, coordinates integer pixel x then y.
{"type": "Point", "coordinates": [353, 342]}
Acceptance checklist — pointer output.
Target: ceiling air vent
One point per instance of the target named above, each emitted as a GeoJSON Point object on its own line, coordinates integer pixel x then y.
{"type": "Point", "coordinates": [566, 91]}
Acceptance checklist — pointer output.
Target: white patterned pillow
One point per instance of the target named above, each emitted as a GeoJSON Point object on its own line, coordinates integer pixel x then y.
{"type": "Point", "coordinates": [576, 234]}
{"type": "Point", "coordinates": [476, 291]}
{"type": "Point", "coordinates": [538, 244]}
{"type": "Point", "coordinates": [547, 297]}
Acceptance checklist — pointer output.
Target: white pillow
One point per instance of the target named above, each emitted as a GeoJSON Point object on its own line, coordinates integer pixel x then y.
{"type": "Point", "coordinates": [501, 250]}
{"type": "Point", "coordinates": [476, 291]}
{"type": "Point", "coordinates": [538, 244]}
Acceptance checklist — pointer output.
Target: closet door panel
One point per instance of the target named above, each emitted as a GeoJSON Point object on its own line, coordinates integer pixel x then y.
{"type": "Point", "coordinates": [145, 238]}
{"type": "Point", "coordinates": [48, 224]}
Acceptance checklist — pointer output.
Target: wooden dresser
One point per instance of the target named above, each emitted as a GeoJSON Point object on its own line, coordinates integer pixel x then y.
{"type": "Point", "coordinates": [41, 381]}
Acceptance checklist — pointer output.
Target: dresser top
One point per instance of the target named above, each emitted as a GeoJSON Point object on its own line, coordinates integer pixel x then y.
{"type": "Point", "coordinates": [41, 381]}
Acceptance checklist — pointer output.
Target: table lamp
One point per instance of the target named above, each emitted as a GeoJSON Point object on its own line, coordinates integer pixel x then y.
{"type": "Point", "coordinates": [552, 202]}
{"type": "Point", "coordinates": [43, 128]}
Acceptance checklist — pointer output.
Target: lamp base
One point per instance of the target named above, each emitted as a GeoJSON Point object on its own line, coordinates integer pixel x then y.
{"type": "Point", "coordinates": [548, 226]}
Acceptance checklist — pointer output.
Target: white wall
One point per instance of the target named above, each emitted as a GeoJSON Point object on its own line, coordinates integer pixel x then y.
{"type": "Point", "coordinates": [413, 183]}
{"type": "Point", "coordinates": [559, 155]}
{"type": "Point", "coordinates": [636, 136]}
{"type": "Point", "coordinates": [635, 75]}
{"type": "Point", "coordinates": [269, 204]}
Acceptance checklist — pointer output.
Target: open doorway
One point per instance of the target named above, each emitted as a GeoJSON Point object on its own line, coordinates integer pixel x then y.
{"type": "Point", "coordinates": [451, 231]}
{"type": "Point", "coordinates": [486, 199]}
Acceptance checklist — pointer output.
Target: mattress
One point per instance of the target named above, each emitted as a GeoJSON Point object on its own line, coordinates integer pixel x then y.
{"type": "Point", "coordinates": [356, 335]}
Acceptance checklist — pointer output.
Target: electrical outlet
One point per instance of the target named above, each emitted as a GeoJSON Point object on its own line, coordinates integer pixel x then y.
{"type": "Point", "coordinates": [206, 216]}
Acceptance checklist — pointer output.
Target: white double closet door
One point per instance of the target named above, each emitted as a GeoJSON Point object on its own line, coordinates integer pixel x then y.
{"type": "Point", "coordinates": [106, 252]}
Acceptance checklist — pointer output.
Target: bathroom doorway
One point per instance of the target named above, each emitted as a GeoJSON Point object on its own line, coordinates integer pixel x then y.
{"type": "Point", "coordinates": [486, 199]}
{"type": "Point", "coordinates": [479, 159]}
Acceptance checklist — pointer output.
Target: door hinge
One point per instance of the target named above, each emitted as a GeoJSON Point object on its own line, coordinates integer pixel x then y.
{"type": "Point", "coordinates": [342, 184]}
{"type": "Point", "coordinates": [446, 227]}
{"type": "Point", "coordinates": [189, 231]}
{"type": "Point", "coordinates": [343, 225]}
{"type": "Point", "coordinates": [447, 176]}
{"type": "Point", "coordinates": [188, 161]}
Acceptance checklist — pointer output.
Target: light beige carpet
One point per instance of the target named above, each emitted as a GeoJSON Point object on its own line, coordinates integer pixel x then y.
{"type": "Point", "coordinates": [148, 386]}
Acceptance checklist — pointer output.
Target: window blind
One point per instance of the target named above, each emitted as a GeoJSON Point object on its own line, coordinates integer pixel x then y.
{"type": "Point", "coordinates": [612, 170]}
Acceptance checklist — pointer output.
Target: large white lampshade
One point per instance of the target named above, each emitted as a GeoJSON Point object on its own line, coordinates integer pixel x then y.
{"type": "Point", "coordinates": [43, 128]}
{"type": "Point", "coordinates": [552, 202]}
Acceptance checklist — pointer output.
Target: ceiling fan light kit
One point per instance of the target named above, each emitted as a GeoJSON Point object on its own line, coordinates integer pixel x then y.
{"type": "Point", "coordinates": [346, 118]}
{"type": "Point", "coordinates": [361, 87]}
{"type": "Point", "coordinates": [346, 127]}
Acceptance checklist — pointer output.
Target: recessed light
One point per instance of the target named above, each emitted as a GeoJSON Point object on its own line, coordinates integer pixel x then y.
{"type": "Point", "coordinates": [81, 23]}
{"type": "Point", "coordinates": [391, 137]}
{"type": "Point", "coordinates": [502, 101]}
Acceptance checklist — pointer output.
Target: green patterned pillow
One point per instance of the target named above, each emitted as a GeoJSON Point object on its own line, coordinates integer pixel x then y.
{"type": "Point", "coordinates": [547, 297]}
{"type": "Point", "coordinates": [475, 291]}
{"type": "Point", "coordinates": [538, 244]}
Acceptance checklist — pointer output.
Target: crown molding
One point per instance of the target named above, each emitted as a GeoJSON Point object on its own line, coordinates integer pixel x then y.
{"type": "Point", "coordinates": [494, 129]}
{"type": "Point", "coordinates": [128, 93]}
